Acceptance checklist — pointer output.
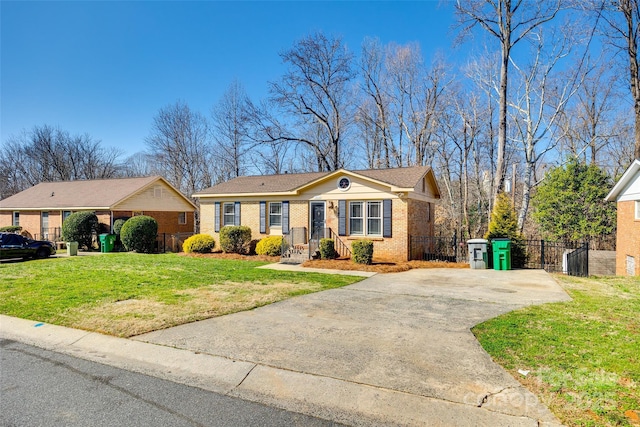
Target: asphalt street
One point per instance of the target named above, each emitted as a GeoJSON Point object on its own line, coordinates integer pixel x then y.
{"type": "Point", "coordinates": [43, 388]}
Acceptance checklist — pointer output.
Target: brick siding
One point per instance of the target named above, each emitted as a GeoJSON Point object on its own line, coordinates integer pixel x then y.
{"type": "Point", "coordinates": [627, 238]}
{"type": "Point", "coordinates": [409, 217]}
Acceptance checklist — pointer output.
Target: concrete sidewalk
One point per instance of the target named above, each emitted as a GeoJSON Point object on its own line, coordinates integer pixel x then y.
{"type": "Point", "coordinates": [394, 349]}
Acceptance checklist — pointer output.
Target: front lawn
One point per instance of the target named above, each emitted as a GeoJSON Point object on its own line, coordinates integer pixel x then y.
{"type": "Point", "coordinates": [127, 294]}
{"type": "Point", "coordinates": [583, 355]}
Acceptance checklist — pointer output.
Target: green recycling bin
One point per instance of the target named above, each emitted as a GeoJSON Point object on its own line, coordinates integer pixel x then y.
{"type": "Point", "coordinates": [107, 242]}
{"type": "Point", "coordinates": [501, 249]}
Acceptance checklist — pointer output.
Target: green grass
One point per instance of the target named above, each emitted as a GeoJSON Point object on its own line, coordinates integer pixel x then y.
{"type": "Point", "coordinates": [584, 355]}
{"type": "Point", "coordinates": [127, 294]}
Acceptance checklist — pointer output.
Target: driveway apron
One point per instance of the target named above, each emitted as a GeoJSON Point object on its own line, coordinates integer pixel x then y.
{"type": "Point", "coordinates": [407, 332]}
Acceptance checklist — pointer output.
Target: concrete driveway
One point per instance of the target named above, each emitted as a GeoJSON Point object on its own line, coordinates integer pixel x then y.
{"type": "Point", "coordinates": [392, 349]}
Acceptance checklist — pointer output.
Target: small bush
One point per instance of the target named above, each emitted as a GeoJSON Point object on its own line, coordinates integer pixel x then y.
{"type": "Point", "coordinates": [139, 234]}
{"type": "Point", "coordinates": [199, 243]}
{"type": "Point", "coordinates": [271, 246]}
{"type": "Point", "coordinates": [117, 225]}
{"type": "Point", "coordinates": [235, 239]}
{"type": "Point", "coordinates": [11, 229]}
{"type": "Point", "coordinates": [328, 249]}
{"type": "Point", "coordinates": [362, 251]}
{"type": "Point", "coordinates": [79, 227]}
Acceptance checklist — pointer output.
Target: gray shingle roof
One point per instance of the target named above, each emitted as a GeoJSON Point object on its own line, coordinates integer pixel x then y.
{"type": "Point", "coordinates": [398, 177]}
{"type": "Point", "coordinates": [77, 194]}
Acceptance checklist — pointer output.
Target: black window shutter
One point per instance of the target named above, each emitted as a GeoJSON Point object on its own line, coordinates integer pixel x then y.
{"type": "Point", "coordinates": [285, 217]}
{"type": "Point", "coordinates": [386, 218]}
{"type": "Point", "coordinates": [342, 217]}
{"type": "Point", "coordinates": [216, 217]}
{"type": "Point", "coordinates": [236, 213]}
{"type": "Point", "coordinates": [263, 217]}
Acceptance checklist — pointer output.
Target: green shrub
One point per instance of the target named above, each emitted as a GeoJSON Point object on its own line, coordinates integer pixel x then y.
{"type": "Point", "coordinates": [362, 251]}
{"type": "Point", "coordinates": [235, 239]}
{"type": "Point", "coordinates": [328, 249]}
{"type": "Point", "coordinates": [11, 229]}
{"type": "Point", "coordinates": [199, 243]}
{"type": "Point", "coordinates": [117, 225]}
{"type": "Point", "coordinates": [139, 234]}
{"type": "Point", "coordinates": [271, 246]}
{"type": "Point", "coordinates": [79, 227]}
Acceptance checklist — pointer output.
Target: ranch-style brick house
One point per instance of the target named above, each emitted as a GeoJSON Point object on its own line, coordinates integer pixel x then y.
{"type": "Point", "coordinates": [41, 209]}
{"type": "Point", "coordinates": [626, 193]}
{"type": "Point", "coordinates": [383, 205]}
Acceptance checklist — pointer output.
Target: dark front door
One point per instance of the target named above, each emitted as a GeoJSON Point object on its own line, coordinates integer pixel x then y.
{"type": "Point", "coordinates": [317, 220]}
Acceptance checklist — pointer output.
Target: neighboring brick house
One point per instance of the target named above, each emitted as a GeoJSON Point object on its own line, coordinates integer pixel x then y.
{"type": "Point", "coordinates": [626, 193]}
{"type": "Point", "coordinates": [383, 205]}
{"type": "Point", "coordinates": [40, 210]}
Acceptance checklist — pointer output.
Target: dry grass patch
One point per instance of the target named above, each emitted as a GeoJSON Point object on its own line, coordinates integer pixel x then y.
{"type": "Point", "coordinates": [138, 316]}
{"type": "Point", "coordinates": [380, 265]}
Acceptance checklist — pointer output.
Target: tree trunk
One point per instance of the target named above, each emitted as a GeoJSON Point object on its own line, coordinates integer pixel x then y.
{"type": "Point", "coordinates": [502, 120]}
{"type": "Point", "coordinates": [526, 194]}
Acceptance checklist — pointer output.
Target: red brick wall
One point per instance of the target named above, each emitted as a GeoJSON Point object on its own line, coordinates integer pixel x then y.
{"type": "Point", "coordinates": [627, 238]}
{"type": "Point", "coordinates": [168, 222]}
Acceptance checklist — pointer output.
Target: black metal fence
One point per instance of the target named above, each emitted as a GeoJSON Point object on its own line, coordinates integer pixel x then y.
{"type": "Point", "coordinates": [168, 242]}
{"type": "Point", "coordinates": [438, 248]}
{"type": "Point", "coordinates": [554, 256]}
{"type": "Point", "coordinates": [53, 234]}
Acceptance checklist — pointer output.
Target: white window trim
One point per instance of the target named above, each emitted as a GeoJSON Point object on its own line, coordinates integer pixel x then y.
{"type": "Point", "coordinates": [365, 218]}
{"type": "Point", "coordinates": [224, 214]}
{"type": "Point", "coordinates": [362, 218]}
{"type": "Point", "coordinates": [272, 225]}
{"type": "Point", "coordinates": [182, 218]}
{"type": "Point", "coordinates": [637, 215]}
{"type": "Point", "coordinates": [13, 219]}
{"type": "Point", "coordinates": [379, 218]}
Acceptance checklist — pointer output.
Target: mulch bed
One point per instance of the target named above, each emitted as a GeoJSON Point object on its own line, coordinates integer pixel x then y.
{"type": "Point", "coordinates": [378, 266]}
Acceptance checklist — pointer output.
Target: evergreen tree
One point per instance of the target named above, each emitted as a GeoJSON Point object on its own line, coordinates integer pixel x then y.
{"type": "Point", "coordinates": [504, 224]}
{"type": "Point", "coordinates": [569, 204]}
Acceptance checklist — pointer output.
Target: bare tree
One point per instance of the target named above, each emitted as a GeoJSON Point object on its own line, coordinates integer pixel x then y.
{"type": "Point", "coordinates": [373, 116]}
{"type": "Point", "coordinates": [314, 92]}
{"type": "Point", "coordinates": [230, 130]}
{"type": "Point", "coordinates": [47, 153]}
{"type": "Point", "coordinates": [179, 148]}
{"type": "Point", "coordinates": [509, 21]}
{"type": "Point", "coordinates": [591, 122]}
{"type": "Point", "coordinates": [622, 18]}
{"type": "Point", "coordinates": [540, 101]}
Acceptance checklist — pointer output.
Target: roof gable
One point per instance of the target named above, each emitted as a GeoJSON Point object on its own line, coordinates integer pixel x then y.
{"type": "Point", "coordinates": [81, 194]}
{"type": "Point", "coordinates": [628, 187]}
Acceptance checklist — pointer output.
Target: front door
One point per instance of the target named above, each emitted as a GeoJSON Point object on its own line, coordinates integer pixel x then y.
{"type": "Point", "coordinates": [317, 220]}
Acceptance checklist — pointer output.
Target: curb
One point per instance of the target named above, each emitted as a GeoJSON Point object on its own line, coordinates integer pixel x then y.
{"type": "Point", "coordinates": [324, 397]}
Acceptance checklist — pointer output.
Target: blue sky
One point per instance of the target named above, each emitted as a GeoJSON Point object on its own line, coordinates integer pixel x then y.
{"type": "Point", "coordinates": [105, 68]}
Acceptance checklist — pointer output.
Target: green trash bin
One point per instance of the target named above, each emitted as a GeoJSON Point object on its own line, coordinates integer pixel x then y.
{"type": "Point", "coordinates": [501, 249]}
{"type": "Point", "coordinates": [107, 242]}
{"type": "Point", "coordinates": [103, 239]}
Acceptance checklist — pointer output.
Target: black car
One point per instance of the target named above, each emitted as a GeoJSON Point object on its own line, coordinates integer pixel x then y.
{"type": "Point", "coordinates": [16, 246]}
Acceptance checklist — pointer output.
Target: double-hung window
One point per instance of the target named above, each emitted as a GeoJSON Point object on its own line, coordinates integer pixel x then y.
{"type": "Point", "coordinates": [356, 218]}
{"type": "Point", "coordinates": [228, 214]}
{"type": "Point", "coordinates": [275, 214]}
{"type": "Point", "coordinates": [16, 219]}
{"type": "Point", "coordinates": [182, 218]}
{"type": "Point", "coordinates": [365, 218]}
{"type": "Point", "coordinates": [374, 218]}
